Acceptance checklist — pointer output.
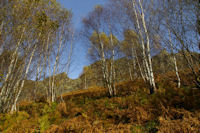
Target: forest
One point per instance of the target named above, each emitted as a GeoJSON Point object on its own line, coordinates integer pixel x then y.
{"type": "Point", "coordinates": [143, 77]}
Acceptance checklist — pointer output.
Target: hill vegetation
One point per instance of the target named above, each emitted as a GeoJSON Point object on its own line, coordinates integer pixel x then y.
{"type": "Point", "coordinates": [132, 110]}
{"type": "Point", "coordinates": [91, 76]}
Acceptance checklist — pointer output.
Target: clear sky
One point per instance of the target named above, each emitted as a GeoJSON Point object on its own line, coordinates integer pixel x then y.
{"type": "Point", "coordinates": [79, 8]}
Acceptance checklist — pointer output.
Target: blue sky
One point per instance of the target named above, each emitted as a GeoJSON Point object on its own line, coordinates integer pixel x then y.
{"type": "Point", "coordinates": [79, 8]}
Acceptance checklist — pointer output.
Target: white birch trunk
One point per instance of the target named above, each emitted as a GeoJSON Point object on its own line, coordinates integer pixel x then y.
{"type": "Point", "coordinates": [149, 62]}
{"type": "Point", "coordinates": [141, 72]}
{"type": "Point", "coordinates": [104, 67]}
{"type": "Point", "coordinates": [11, 83]}
{"type": "Point", "coordinates": [112, 75]}
{"type": "Point", "coordinates": [145, 63]}
{"type": "Point", "coordinates": [53, 95]}
{"type": "Point", "coordinates": [47, 61]}
{"type": "Point", "coordinates": [174, 58]}
{"type": "Point", "coordinates": [148, 48]}
{"type": "Point", "coordinates": [22, 84]}
{"type": "Point", "coordinates": [10, 68]}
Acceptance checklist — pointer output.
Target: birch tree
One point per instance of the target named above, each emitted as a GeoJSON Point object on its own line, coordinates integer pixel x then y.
{"type": "Point", "coordinates": [183, 30]}
{"type": "Point", "coordinates": [131, 47]}
{"type": "Point", "coordinates": [29, 32]}
{"type": "Point", "coordinates": [62, 35]}
{"type": "Point", "coordinates": [103, 46]}
{"type": "Point", "coordinates": [139, 13]}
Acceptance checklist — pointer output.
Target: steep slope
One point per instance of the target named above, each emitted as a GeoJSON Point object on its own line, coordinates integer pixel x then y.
{"type": "Point", "coordinates": [92, 76]}
{"type": "Point", "coordinates": [132, 110]}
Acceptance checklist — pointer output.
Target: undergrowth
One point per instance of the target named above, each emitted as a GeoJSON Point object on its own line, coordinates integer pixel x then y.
{"type": "Point", "coordinates": [133, 110]}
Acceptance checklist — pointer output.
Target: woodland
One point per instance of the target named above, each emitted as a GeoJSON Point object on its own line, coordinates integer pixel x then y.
{"type": "Point", "coordinates": [144, 75]}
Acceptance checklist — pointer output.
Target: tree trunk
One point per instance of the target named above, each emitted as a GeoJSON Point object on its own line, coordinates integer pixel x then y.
{"type": "Point", "coordinates": [10, 68]}
{"type": "Point", "coordinates": [53, 93]}
{"type": "Point", "coordinates": [104, 67]}
{"type": "Point", "coordinates": [174, 58]}
{"type": "Point", "coordinates": [141, 72]}
{"type": "Point", "coordinates": [148, 50]}
{"type": "Point", "coordinates": [22, 84]}
{"type": "Point", "coordinates": [112, 66]}
{"type": "Point", "coordinates": [145, 63]}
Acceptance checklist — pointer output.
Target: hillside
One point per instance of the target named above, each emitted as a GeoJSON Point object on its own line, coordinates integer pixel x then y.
{"type": "Point", "coordinates": [133, 110]}
{"type": "Point", "coordinates": [162, 63]}
{"type": "Point", "coordinates": [63, 84]}
{"type": "Point", "coordinates": [92, 76]}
